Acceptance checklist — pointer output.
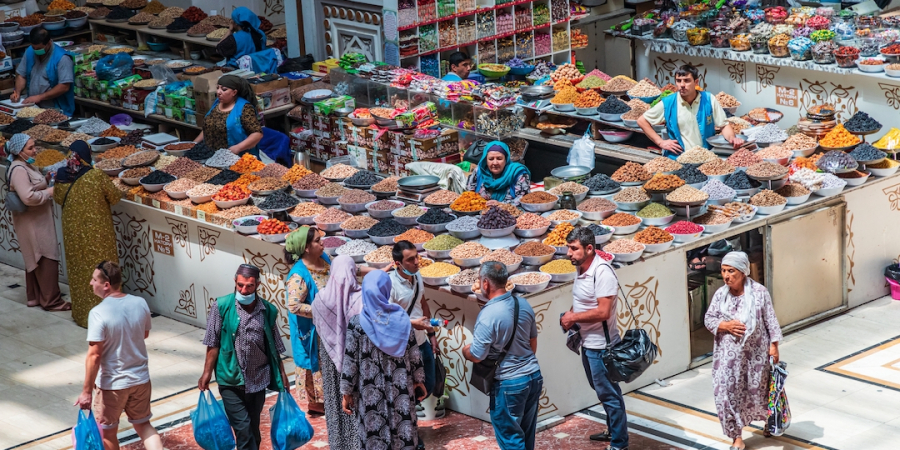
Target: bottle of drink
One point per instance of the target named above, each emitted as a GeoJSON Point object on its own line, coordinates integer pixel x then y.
{"type": "Point", "coordinates": [439, 322]}
{"type": "Point", "coordinates": [567, 201]}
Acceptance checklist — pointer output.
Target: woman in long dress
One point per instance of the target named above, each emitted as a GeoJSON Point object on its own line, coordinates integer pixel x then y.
{"type": "Point", "coordinates": [382, 370]}
{"type": "Point", "coordinates": [35, 227]}
{"type": "Point", "coordinates": [85, 195]}
{"type": "Point", "coordinates": [307, 277]}
{"type": "Point", "coordinates": [334, 307]}
{"type": "Point", "coordinates": [747, 333]}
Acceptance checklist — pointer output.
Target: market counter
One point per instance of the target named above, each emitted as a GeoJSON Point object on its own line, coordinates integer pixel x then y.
{"type": "Point", "coordinates": [180, 260]}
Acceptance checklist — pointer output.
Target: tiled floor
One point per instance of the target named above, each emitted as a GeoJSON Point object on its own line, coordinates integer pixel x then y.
{"type": "Point", "coordinates": [843, 387]}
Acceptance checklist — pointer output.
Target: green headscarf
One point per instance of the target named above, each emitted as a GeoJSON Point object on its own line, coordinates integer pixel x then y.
{"type": "Point", "coordinates": [295, 242]}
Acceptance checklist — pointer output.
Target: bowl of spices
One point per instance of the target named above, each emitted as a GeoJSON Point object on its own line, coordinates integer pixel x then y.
{"type": "Point", "coordinates": [596, 208]}
{"type": "Point", "coordinates": [384, 232]}
{"type": "Point", "coordinates": [534, 253]}
{"type": "Point", "coordinates": [623, 223]}
{"type": "Point", "coordinates": [654, 239]}
{"type": "Point", "coordinates": [560, 270]}
{"type": "Point", "coordinates": [330, 193]}
{"type": "Point", "coordinates": [415, 236]}
{"type": "Point", "coordinates": [439, 247]}
{"type": "Point", "coordinates": [435, 220]}
{"type": "Point", "coordinates": [132, 177]}
{"type": "Point", "coordinates": [462, 282]}
{"type": "Point", "coordinates": [562, 216]}
{"type": "Point", "coordinates": [625, 250]}
{"type": "Point", "coordinates": [531, 225]}
{"type": "Point", "coordinates": [794, 193]}
{"type": "Point", "coordinates": [202, 193]}
{"type": "Point", "coordinates": [408, 215]}
{"type": "Point", "coordinates": [464, 227]}
{"type": "Point", "coordinates": [247, 224]}
{"type": "Point", "coordinates": [178, 188]}
{"type": "Point", "coordinates": [768, 202]}
{"type": "Point", "coordinates": [380, 258]}
{"type": "Point", "coordinates": [305, 212]}
{"type": "Point", "coordinates": [382, 209]}
{"type": "Point", "coordinates": [831, 185]}
{"type": "Point", "coordinates": [357, 227]}
{"type": "Point", "coordinates": [332, 243]}
{"type": "Point", "coordinates": [355, 200]}
{"type": "Point", "coordinates": [356, 249]}
{"type": "Point", "coordinates": [684, 231]}
{"type": "Point", "coordinates": [331, 219]}
{"type": "Point", "coordinates": [714, 221]}
{"type": "Point", "coordinates": [511, 260]}
{"type": "Point", "coordinates": [631, 199]}
{"type": "Point", "coordinates": [436, 274]}
{"type": "Point", "coordinates": [156, 180]}
{"type": "Point", "coordinates": [530, 282]}
{"type": "Point", "coordinates": [538, 201]}
{"type": "Point", "coordinates": [469, 254]}
{"type": "Point", "coordinates": [655, 214]}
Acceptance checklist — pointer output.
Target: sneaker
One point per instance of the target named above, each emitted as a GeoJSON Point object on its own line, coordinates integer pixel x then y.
{"type": "Point", "coordinates": [602, 437]}
{"type": "Point", "coordinates": [440, 405]}
{"type": "Point", "coordinates": [616, 448]}
{"type": "Point", "coordinates": [419, 407]}
{"type": "Point", "coordinates": [438, 414]}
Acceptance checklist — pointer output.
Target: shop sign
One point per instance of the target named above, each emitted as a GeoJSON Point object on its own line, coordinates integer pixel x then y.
{"type": "Point", "coordinates": [786, 96]}
{"type": "Point", "coordinates": [162, 243]}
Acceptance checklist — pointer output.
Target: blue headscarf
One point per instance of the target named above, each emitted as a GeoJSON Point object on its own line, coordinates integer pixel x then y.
{"type": "Point", "coordinates": [506, 181]}
{"type": "Point", "coordinates": [385, 323]}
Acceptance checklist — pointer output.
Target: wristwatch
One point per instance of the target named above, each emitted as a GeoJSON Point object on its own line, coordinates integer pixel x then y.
{"type": "Point", "coordinates": [432, 334]}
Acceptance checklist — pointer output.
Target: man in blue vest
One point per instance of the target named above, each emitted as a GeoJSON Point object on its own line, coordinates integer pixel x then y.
{"type": "Point", "coordinates": [691, 117]}
{"type": "Point", "coordinates": [46, 73]}
{"type": "Point", "coordinates": [243, 348]}
{"type": "Point", "coordinates": [460, 66]}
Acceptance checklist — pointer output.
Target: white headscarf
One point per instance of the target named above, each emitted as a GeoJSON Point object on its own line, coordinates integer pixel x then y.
{"type": "Point", "coordinates": [746, 313]}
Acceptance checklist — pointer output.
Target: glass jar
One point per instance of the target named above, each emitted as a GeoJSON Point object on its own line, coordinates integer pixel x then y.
{"type": "Point", "coordinates": [823, 52]}
{"type": "Point", "coordinates": [846, 56]}
{"type": "Point", "coordinates": [759, 47]}
{"type": "Point", "coordinates": [698, 36]}
{"type": "Point", "coordinates": [800, 49]}
{"type": "Point", "coordinates": [778, 45]}
{"type": "Point", "coordinates": [868, 46]}
{"type": "Point", "coordinates": [567, 201]}
{"type": "Point", "coordinates": [740, 43]}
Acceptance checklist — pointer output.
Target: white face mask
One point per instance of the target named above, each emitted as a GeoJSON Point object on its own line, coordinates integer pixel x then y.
{"type": "Point", "coordinates": [244, 299]}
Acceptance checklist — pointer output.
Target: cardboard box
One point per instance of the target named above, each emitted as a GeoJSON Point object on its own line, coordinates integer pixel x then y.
{"type": "Point", "coordinates": [266, 86]}
{"type": "Point", "coordinates": [205, 90]}
{"type": "Point", "coordinates": [444, 144]}
{"type": "Point", "coordinates": [325, 66]}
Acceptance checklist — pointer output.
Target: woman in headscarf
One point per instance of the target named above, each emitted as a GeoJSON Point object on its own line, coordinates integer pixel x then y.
{"type": "Point", "coordinates": [498, 178]}
{"type": "Point", "coordinates": [382, 374]}
{"type": "Point", "coordinates": [307, 278]}
{"type": "Point", "coordinates": [231, 121]}
{"type": "Point", "coordinates": [334, 306]}
{"type": "Point", "coordinates": [35, 228]}
{"type": "Point", "coordinates": [85, 195]}
{"type": "Point", "coordinates": [248, 40]}
{"type": "Point", "coordinates": [746, 332]}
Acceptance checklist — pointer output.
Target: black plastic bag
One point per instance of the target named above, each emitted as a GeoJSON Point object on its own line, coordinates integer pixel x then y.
{"type": "Point", "coordinates": [893, 272]}
{"type": "Point", "coordinates": [628, 359]}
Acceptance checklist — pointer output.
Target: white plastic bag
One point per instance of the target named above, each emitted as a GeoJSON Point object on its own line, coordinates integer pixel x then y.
{"type": "Point", "coordinates": [582, 151]}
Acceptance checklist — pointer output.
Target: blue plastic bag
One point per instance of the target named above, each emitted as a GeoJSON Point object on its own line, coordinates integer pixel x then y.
{"type": "Point", "coordinates": [114, 67]}
{"type": "Point", "coordinates": [211, 428]}
{"type": "Point", "coordinates": [290, 429]}
{"type": "Point", "coordinates": [86, 431]}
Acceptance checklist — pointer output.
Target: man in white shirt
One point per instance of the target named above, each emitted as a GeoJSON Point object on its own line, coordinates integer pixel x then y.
{"type": "Point", "coordinates": [408, 292]}
{"type": "Point", "coordinates": [594, 306]}
{"type": "Point", "coordinates": [117, 377]}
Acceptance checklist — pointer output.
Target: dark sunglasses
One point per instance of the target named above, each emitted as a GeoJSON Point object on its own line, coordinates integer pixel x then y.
{"type": "Point", "coordinates": [103, 269]}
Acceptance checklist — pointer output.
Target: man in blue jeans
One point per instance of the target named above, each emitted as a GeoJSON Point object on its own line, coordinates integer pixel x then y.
{"type": "Point", "coordinates": [407, 291]}
{"type": "Point", "coordinates": [518, 380]}
{"type": "Point", "coordinates": [595, 293]}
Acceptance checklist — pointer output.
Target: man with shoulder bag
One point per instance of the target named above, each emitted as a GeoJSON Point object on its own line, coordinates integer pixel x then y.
{"type": "Point", "coordinates": [503, 345]}
{"type": "Point", "coordinates": [594, 310]}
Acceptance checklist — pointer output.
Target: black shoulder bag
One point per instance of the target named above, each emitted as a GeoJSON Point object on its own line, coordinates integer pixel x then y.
{"type": "Point", "coordinates": [628, 359]}
{"type": "Point", "coordinates": [483, 372]}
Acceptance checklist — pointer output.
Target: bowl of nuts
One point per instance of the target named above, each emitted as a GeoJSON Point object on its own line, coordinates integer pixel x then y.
{"type": "Point", "coordinates": [539, 201]}
{"type": "Point", "coordinates": [382, 209]}
{"type": "Point", "coordinates": [562, 215]}
{"type": "Point", "coordinates": [437, 274]}
{"type": "Point", "coordinates": [530, 282]}
{"type": "Point", "coordinates": [625, 250]}
{"type": "Point", "coordinates": [179, 148]}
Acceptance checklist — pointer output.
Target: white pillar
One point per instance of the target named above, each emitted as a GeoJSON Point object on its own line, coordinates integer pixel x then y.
{"type": "Point", "coordinates": [290, 22]}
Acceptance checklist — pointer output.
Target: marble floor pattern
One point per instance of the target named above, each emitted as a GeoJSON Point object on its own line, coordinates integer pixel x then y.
{"type": "Point", "coordinates": [843, 387]}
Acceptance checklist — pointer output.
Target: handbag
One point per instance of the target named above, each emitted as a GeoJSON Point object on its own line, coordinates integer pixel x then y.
{"type": "Point", "coordinates": [779, 411]}
{"type": "Point", "coordinates": [474, 152]}
{"type": "Point", "coordinates": [440, 377]}
{"type": "Point", "coordinates": [13, 202]}
{"type": "Point", "coordinates": [628, 359]}
{"type": "Point", "coordinates": [483, 372]}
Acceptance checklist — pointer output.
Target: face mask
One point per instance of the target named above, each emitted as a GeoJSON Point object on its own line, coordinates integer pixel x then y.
{"type": "Point", "coordinates": [244, 299]}
{"type": "Point", "coordinates": [30, 160]}
{"type": "Point", "coordinates": [40, 52]}
{"type": "Point", "coordinates": [408, 273]}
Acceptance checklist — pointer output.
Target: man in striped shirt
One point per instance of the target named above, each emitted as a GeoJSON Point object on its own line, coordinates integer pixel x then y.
{"type": "Point", "coordinates": [244, 349]}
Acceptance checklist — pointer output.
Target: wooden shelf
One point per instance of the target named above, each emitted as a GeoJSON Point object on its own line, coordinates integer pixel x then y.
{"type": "Point", "coordinates": [63, 37]}
{"type": "Point", "coordinates": [140, 114]}
{"type": "Point", "coordinates": [202, 41]}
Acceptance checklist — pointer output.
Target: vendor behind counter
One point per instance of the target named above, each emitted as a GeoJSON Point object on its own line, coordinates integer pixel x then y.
{"type": "Point", "coordinates": [245, 47]}
{"type": "Point", "coordinates": [46, 75]}
{"type": "Point", "coordinates": [232, 121]}
{"type": "Point", "coordinates": [497, 177]}
{"type": "Point", "coordinates": [691, 117]}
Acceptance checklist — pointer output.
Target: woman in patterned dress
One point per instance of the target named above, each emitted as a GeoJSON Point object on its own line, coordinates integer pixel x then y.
{"type": "Point", "coordinates": [746, 332]}
{"type": "Point", "coordinates": [498, 178]}
{"type": "Point", "coordinates": [382, 374]}
{"type": "Point", "coordinates": [307, 277]}
{"type": "Point", "coordinates": [335, 305]}
{"type": "Point", "coordinates": [85, 195]}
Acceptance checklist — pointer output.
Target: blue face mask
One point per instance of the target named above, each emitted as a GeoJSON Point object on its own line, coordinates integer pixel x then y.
{"type": "Point", "coordinates": [39, 52]}
{"type": "Point", "coordinates": [244, 299]}
{"type": "Point", "coordinates": [408, 273]}
{"type": "Point", "coordinates": [30, 160]}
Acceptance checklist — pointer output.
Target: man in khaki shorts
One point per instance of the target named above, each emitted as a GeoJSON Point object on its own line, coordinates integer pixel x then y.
{"type": "Point", "coordinates": [117, 377]}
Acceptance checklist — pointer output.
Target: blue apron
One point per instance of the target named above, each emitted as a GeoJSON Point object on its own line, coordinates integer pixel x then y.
{"type": "Point", "coordinates": [304, 341]}
{"type": "Point", "coordinates": [704, 120]}
{"type": "Point", "coordinates": [236, 133]}
{"type": "Point", "coordinates": [65, 102]}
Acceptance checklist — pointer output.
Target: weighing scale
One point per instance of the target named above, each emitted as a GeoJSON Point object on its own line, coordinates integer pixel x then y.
{"type": "Point", "coordinates": [9, 107]}
{"type": "Point", "coordinates": [416, 188]}
{"type": "Point", "coordinates": [157, 141]}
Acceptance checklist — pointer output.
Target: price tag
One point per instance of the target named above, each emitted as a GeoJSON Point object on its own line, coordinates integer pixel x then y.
{"type": "Point", "coordinates": [137, 198]}
{"type": "Point", "coordinates": [155, 203]}
{"type": "Point", "coordinates": [178, 210]}
{"type": "Point", "coordinates": [201, 215]}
